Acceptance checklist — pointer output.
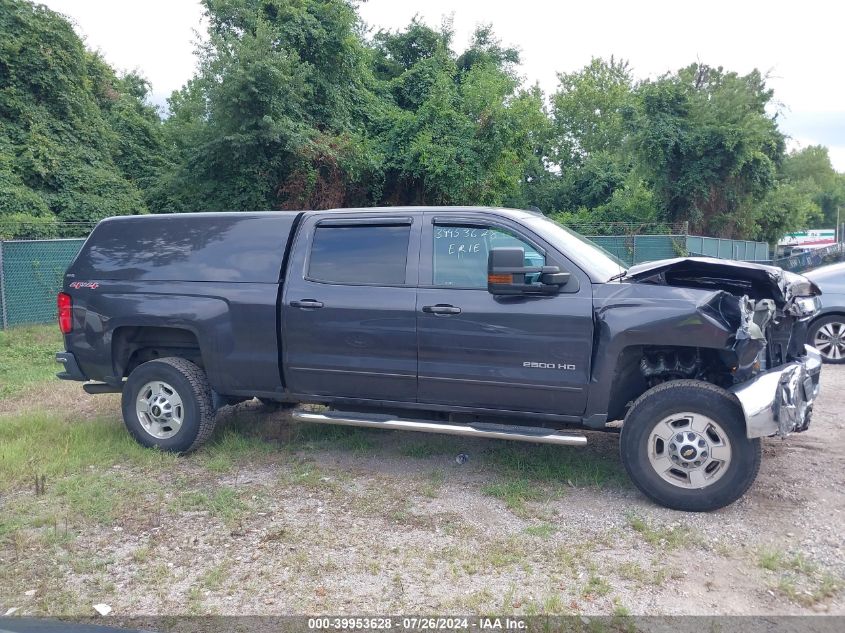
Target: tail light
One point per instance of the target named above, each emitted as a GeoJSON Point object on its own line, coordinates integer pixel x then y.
{"type": "Point", "coordinates": [65, 303]}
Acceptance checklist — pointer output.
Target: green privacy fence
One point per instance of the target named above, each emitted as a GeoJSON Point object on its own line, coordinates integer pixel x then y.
{"type": "Point", "coordinates": [728, 249]}
{"type": "Point", "coordinates": [31, 274]}
{"type": "Point", "coordinates": [31, 270]}
{"type": "Point", "coordinates": [636, 249]}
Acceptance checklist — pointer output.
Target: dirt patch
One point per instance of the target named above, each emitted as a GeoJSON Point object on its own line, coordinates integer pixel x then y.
{"type": "Point", "coordinates": [344, 521]}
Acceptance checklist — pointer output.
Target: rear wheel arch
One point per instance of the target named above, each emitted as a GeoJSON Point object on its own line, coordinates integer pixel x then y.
{"type": "Point", "coordinates": [135, 345]}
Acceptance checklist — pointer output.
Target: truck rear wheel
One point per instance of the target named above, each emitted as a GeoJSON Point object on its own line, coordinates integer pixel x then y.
{"type": "Point", "coordinates": [167, 403]}
{"type": "Point", "coordinates": [684, 446]}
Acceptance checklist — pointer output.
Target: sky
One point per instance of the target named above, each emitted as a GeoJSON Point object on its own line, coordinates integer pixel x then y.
{"type": "Point", "coordinates": [798, 44]}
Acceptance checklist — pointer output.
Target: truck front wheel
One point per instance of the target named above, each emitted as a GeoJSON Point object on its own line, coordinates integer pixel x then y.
{"type": "Point", "coordinates": [167, 403]}
{"type": "Point", "coordinates": [684, 446]}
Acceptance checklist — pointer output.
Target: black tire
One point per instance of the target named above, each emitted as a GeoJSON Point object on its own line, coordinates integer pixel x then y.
{"type": "Point", "coordinates": [191, 386]}
{"type": "Point", "coordinates": [696, 397]}
{"type": "Point", "coordinates": [827, 352]}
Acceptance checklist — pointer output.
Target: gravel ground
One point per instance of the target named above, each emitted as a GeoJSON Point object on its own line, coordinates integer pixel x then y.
{"type": "Point", "coordinates": [402, 528]}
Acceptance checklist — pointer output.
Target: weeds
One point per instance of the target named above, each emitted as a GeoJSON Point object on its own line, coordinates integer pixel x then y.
{"type": "Point", "coordinates": [42, 443]}
{"type": "Point", "coordinates": [555, 464]}
{"type": "Point", "coordinates": [27, 356]}
{"type": "Point", "coordinates": [596, 586]}
{"type": "Point", "coordinates": [798, 578]}
{"type": "Point", "coordinates": [102, 498]}
{"type": "Point", "coordinates": [435, 481]}
{"type": "Point", "coordinates": [224, 503]}
{"type": "Point", "coordinates": [670, 537]}
{"type": "Point", "coordinates": [543, 530]}
{"type": "Point", "coordinates": [515, 493]}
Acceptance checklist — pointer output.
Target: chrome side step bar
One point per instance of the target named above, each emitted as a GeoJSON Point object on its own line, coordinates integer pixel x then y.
{"type": "Point", "coordinates": [496, 431]}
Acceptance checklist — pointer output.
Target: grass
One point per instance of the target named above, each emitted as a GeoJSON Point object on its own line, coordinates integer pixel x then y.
{"type": "Point", "coordinates": [516, 492]}
{"type": "Point", "coordinates": [656, 575]}
{"type": "Point", "coordinates": [322, 436]}
{"type": "Point", "coordinates": [215, 578]}
{"type": "Point", "coordinates": [629, 570]}
{"type": "Point", "coordinates": [798, 578]}
{"type": "Point", "coordinates": [543, 530]}
{"type": "Point", "coordinates": [596, 586]}
{"type": "Point", "coordinates": [309, 474]}
{"type": "Point", "coordinates": [770, 559]}
{"type": "Point", "coordinates": [101, 498]}
{"type": "Point", "coordinates": [224, 503]}
{"type": "Point", "coordinates": [229, 445]}
{"type": "Point", "coordinates": [27, 357]}
{"type": "Point", "coordinates": [557, 464]}
{"type": "Point", "coordinates": [434, 482]}
{"type": "Point", "coordinates": [670, 537]}
{"type": "Point", "coordinates": [44, 443]}
{"type": "Point", "coordinates": [423, 448]}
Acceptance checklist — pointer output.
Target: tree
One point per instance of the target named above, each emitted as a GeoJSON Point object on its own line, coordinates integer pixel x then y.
{"type": "Point", "coordinates": [276, 116]}
{"type": "Point", "coordinates": [588, 110]}
{"type": "Point", "coordinates": [588, 143]}
{"type": "Point", "coordinates": [460, 130]}
{"type": "Point", "coordinates": [784, 209]}
{"type": "Point", "coordinates": [708, 146]}
{"type": "Point", "coordinates": [810, 170]}
{"type": "Point", "coordinates": [293, 106]}
{"type": "Point", "coordinates": [60, 151]}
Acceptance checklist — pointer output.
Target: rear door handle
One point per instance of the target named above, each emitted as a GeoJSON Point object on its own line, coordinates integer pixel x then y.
{"type": "Point", "coordinates": [441, 308]}
{"type": "Point", "coordinates": [306, 303]}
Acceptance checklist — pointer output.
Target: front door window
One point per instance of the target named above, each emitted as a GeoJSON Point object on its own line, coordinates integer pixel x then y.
{"type": "Point", "coordinates": [460, 253]}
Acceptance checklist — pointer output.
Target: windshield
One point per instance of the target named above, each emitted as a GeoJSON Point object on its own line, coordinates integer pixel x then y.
{"type": "Point", "coordinates": [598, 263]}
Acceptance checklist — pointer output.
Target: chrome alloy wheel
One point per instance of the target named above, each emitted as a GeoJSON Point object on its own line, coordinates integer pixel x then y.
{"type": "Point", "coordinates": [689, 450]}
{"type": "Point", "coordinates": [830, 340]}
{"type": "Point", "coordinates": [160, 409]}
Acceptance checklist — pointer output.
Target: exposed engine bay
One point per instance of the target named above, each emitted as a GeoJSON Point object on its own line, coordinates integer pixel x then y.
{"type": "Point", "coordinates": [765, 306]}
{"type": "Point", "coordinates": [765, 312]}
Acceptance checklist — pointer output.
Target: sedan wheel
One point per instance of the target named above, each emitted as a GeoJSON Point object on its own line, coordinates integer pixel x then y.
{"type": "Point", "coordinates": [828, 336]}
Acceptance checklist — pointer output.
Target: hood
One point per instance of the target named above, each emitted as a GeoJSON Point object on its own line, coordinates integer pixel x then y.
{"type": "Point", "coordinates": [755, 281]}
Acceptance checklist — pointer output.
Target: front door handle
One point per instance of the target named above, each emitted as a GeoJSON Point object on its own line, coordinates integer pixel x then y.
{"type": "Point", "coordinates": [441, 308]}
{"type": "Point", "coordinates": [306, 303]}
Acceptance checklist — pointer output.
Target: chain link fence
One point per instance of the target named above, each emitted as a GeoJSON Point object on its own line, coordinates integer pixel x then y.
{"type": "Point", "coordinates": [31, 274]}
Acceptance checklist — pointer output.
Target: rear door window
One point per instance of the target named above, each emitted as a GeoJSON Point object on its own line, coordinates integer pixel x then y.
{"type": "Point", "coordinates": [360, 254]}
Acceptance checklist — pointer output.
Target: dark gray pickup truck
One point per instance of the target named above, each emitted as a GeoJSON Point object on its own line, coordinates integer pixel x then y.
{"type": "Point", "coordinates": [469, 321]}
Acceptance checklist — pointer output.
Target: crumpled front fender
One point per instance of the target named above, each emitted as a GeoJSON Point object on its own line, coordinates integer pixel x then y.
{"type": "Point", "coordinates": [780, 401]}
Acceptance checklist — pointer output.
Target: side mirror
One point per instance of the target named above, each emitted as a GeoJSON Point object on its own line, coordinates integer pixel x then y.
{"type": "Point", "coordinates": [506, 274]}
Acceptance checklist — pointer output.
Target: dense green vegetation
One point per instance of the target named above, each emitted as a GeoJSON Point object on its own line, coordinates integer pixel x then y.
{"type": "Point", "coordinates": [295, 105]}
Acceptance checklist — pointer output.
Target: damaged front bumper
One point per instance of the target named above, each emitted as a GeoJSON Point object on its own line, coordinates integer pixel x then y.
{"type": "Point", "coordinates": [780, 401]}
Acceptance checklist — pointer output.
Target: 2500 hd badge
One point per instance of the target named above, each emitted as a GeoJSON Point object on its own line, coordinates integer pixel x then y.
{"type": "Point", "coordinates": [551, 365]}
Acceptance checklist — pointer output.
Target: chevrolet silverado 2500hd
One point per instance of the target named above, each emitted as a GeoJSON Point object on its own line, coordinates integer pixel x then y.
{"type": "Point", "coordinates": [470, 321]}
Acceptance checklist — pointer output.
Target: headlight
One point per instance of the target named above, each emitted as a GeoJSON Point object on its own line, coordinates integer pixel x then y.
{"type": "Point", "coordinates": [806, 306]}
